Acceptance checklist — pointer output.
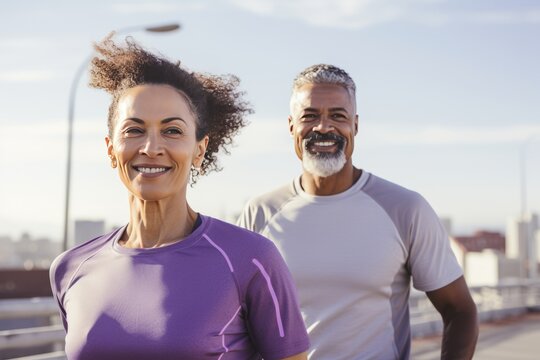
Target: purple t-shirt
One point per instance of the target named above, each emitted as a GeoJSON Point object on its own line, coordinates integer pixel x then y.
{"type": "Point", "coordinates": [221, 293]}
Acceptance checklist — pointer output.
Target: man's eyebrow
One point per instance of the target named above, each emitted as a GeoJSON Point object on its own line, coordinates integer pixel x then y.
{"type": "Point", "coordinates": [164, 121]}
{"type": "Point", "coordinates": [338, 109]}
{"type": "Point", "coordinates": [311, 109]}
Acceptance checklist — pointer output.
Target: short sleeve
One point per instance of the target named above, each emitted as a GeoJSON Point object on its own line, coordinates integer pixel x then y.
{"type": "Point", "coordinates": [273, 316]}
{"type": "Point", "coordinates": [432, 262]}
{"type": "Point", "coordinates": [55, 274]}
{"type": "Point", "coordinates": [246, 218]}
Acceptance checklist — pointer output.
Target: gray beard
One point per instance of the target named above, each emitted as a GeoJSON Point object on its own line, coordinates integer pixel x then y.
{"type": "Point", "coordinates": [323, 165]}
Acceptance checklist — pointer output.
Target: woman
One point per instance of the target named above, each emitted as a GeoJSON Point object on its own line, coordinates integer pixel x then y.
{"type": "Point", "coordinates": [172, 283]}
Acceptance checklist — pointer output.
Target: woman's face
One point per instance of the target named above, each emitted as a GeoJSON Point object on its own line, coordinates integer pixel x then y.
{"type": "Point", "coordinates": [153, 142]}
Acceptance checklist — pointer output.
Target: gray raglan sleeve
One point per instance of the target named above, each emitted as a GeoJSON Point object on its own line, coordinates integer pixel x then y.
{"type": "Point", "coordinates": [247, 217]}
{"type": "Point", "coordinates": [255, 215]}
{"type": "Point", "coordinates": [432, 262]}
{"type": "Point", "coordinates": [259, 210]}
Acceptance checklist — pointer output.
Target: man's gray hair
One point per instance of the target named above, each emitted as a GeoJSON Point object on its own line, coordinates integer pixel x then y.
{"type": "Point", "coordinates": [325, 74]}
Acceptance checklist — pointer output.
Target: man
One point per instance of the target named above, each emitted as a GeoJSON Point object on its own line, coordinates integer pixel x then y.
{"type": "Point", "coordinates": [353, 241]}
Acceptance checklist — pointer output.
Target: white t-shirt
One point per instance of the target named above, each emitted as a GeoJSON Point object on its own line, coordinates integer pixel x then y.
{"type": "Point", "coordinates": [352, 256]}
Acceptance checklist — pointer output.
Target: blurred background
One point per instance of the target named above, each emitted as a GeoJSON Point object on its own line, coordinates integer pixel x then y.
{"type": "Point", "coordinates": [448, 97]}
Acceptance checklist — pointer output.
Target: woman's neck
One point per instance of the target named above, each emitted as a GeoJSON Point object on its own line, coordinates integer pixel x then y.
{"type": "Point", "coordinates": [157, 223]}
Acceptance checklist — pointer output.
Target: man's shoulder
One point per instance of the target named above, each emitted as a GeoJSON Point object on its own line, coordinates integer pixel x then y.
{"type": "Point", "coordinates": [260, 209]}
{"type": "Point", "coordinates": [275, 198]}
{"type": "Point", "coordinates": [390, 194]}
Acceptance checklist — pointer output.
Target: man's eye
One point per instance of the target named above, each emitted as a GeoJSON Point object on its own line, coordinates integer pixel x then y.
{"type": "Point", "coordinates": [338, 116]}
{"type": "Point", "coordinates": [308, 117]}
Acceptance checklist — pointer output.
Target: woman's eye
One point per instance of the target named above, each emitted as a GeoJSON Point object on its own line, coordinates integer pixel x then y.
{"type": "Point", "coordinates": [173, 131]}
{"type": "Point", "coordinates": [133, 131]}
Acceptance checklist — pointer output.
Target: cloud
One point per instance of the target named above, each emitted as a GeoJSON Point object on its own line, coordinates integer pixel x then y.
{"type": "Point", "coordinates": [25, 76]}
{"type": "Point", "coordinates": [26, 43]}
{"type": "Point", "coordinates": [531, 16]}
{"type": "Point", "coordinates": [266, 136]}
{"type": "Point", "coordinates": [338, 13]}
{"type": "Point", "coordinates": [367, 13]}
{"type": "Point", "coordinates": [46, 140]}
{"type": "Point", "coordinates": [440, 135]}
{"type": "Point", "coordinates": [156, 7]}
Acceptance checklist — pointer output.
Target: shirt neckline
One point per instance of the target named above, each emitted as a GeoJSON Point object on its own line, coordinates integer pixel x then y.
{"type": "Point", "coordinates": [188, 241]}
{"type": "Point", "coordinates": [297, 188]}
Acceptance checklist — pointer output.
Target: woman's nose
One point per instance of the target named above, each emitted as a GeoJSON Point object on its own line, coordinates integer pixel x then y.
{"type": "Point", "coordinates": [152, 146]}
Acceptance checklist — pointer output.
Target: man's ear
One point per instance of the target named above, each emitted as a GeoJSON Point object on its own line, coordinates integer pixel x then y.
{"type": "Point", "coordinates": [356, 124]}
{"type": "Point", "coordinates": [199, 154]}
{"type": "Point", "coordinates": [291, 125]}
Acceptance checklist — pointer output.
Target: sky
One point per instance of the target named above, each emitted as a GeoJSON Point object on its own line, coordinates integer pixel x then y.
{"type": "Point", "coordinates": [448, 97]}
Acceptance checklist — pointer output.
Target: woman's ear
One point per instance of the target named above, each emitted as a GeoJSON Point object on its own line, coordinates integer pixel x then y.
{"type": "Point", "coordinates": [198, 156]}
{"type": "Point", "coordinates": [110, 151]}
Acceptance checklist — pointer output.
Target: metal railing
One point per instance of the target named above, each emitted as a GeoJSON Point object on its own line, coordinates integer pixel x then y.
{"type": "Point", "coordinates": [23, 338]}
{"type": "Point", "coordinates": [494, 302]}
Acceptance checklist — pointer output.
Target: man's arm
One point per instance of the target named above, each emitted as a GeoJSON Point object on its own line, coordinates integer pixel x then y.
{"type": "Point", "coordinates": [458, 311]}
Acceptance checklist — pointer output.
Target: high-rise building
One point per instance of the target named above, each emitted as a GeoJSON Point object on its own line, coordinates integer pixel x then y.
{"type": "Point", "coordinates": [521, 243]}
{"type": "Point", "coordinates": [8, 256]}
{"type": "Point", "coordinates": [447, 224]}
{"type": "Point", "coordinates": [88, 229]}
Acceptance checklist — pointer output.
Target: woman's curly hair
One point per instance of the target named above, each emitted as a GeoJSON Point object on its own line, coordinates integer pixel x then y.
{"type": "Point", "coordinates": [215, 101]}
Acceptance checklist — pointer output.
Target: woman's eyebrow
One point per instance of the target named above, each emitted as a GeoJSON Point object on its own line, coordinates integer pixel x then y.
{"type": "Point", "coordinates": [164, 121]}
{"type": "Point", "coordinates": [169, 119]}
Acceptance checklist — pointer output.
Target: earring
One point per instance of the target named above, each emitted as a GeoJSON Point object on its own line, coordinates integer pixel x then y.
{"type": "Point", "coordinates": [113, 162]}
{"type": "Point", "coordinates": [196, 169]}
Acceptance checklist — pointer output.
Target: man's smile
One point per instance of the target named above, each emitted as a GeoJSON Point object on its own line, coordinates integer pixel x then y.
{"type": "Point", "coordinates": [316, 142]}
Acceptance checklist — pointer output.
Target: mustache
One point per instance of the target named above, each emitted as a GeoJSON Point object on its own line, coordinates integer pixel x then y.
{"type": "Point", "coordinates": [317, 136]}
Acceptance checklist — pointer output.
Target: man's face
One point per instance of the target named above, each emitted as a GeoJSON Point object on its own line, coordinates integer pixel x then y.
{"type": "Point", "coordinates": [323, 123]}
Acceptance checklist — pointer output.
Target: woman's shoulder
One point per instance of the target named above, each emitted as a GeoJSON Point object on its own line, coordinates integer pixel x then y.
{"type": "Point", "coordinates": [247, 253]}
{"type": "Point", "coordinates": [239, 240]}
{"type": "Point", "coordinates": [69, 260]}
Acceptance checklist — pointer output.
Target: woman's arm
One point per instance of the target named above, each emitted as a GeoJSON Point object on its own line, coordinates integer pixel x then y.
{"type": "Point", "coordinates": [302, 356]}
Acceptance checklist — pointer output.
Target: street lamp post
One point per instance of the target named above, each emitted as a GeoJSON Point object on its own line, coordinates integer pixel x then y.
{"type": "Point", "coordinates": [523, 173]}
{"type": "Point", "coordinates": [71, 114]}
{"type": "Point", "coordinates": [527, 219]}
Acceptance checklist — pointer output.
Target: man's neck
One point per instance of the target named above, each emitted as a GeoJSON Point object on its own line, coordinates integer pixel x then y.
{"type": "Point", "coordinates": [331, 185]}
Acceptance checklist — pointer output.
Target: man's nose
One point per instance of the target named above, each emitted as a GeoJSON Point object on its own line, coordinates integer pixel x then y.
{"type": "Point", "coordinates": [153, 145]}
{"type": "Point", "coordinates": [324, 125]}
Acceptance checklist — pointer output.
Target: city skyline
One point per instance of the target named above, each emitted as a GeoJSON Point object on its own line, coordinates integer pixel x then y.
{"type": "Point", "coordinates": [447, 96]}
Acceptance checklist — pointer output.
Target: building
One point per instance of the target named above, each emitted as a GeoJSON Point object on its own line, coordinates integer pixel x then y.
{"type": "Point", "coordinates": [522, 234]}
{"type": "Point", "coordinates": [447, 224]}
{"type": "Point", "coordinates": [8, 254]}
{"type": "Point", "coordinates": [482, 240]}
{"type": "Point", "coordinates": [482, 257]}
{"type": "Point", "coordinates": [88, 229]}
